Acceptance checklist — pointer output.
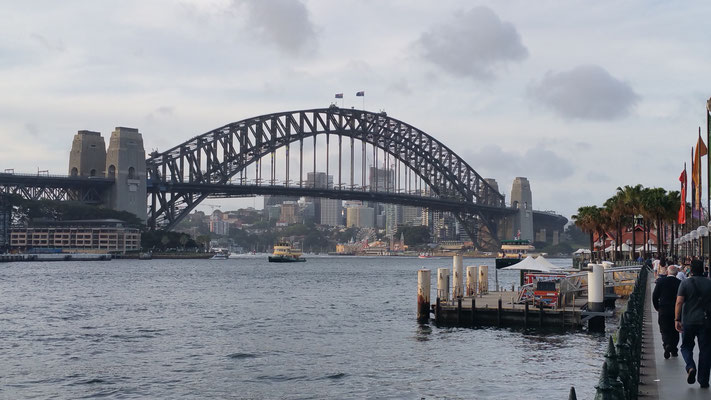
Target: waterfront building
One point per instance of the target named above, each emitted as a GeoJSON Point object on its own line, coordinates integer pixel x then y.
{"type": "Point", "coordinates": [107, 235]}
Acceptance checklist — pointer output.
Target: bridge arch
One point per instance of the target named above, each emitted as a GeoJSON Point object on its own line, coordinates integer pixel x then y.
{"type": "Point", "coordinates": [181, 177]}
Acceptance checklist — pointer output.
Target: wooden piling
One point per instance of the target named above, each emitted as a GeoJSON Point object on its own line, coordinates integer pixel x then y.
{"type": "Point", "coordinates": [423, 295]}
{"type": "Point", "coordinates": [540, 314]}
{"type": "Point", "coordinates": [459, 311]}
{"type": "Point", "coordinates": [498, 313]}
{"type": "Point", "coordinates": [525, 315]}
{"type": "Point", "coordinates": [438, 311]}
{"type": "Point", "coordinates": [473, 311]}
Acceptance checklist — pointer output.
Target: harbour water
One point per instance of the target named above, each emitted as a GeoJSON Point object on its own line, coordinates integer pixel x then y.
{"type": "Point", "coordinates": [333, 327]}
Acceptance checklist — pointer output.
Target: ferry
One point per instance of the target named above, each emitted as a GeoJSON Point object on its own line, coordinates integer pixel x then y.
{"type": "Point", "coordinates": [513, 251]}
{"type": "Point", "coordinates": [221, 254]}
{"type": "Point", "coordinates": [285, 252]}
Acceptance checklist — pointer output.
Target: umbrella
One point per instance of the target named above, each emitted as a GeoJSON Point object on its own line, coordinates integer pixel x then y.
{"type": "Point", "coordinates": [582, 251]}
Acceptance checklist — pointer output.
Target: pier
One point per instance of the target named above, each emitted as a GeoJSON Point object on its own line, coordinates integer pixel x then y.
{"type": "Point", "coordinates": [501, 310]}
{"type": "Point", "coordinates": [552, 300]}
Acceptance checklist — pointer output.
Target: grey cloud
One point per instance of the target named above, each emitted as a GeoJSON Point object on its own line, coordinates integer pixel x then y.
{"type": "Point", "coordinates": [400, 87]}
{"type": "Point", "coordinates": [593, 176]}
{"type": "Point", "coordinates": [32, 129]}
{"type": "Point", "coordinates": [283, 23]}
{"type": "Point", "coordinates": [52, 45]}
{"type": "Point", "coordinates": [537, 163]}
{"type": "Point", "coordinates": [587, 92]}
{"type": "Point", "coordinates": [473, 44]}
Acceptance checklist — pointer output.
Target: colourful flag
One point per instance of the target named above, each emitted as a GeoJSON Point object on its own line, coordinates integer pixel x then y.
{"type": "Point", "coordinates": [339, 95]}
{"type": "Point", "coordinates": [700, 151]}
{"type": "Point", "coordinates": [682, 207]}
{"type": "Point", "coordinates": [360, 94]}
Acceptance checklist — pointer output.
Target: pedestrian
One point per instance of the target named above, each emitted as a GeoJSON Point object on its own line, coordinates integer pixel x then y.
{"type": "Point", "coordinates": [655, 266]}
{"type": "Point", "coordinates": [664, 299]}
{"type": "Point", "coordinates": [690, 319]}
{"type": "Point", "coordinates": [681, 275]}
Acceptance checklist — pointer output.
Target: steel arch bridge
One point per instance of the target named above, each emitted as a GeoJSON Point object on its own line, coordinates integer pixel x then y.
{"type": "Point", "coordinates": [425, 172]}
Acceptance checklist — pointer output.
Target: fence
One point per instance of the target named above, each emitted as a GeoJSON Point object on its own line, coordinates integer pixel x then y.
{"type": "Point", "coordinates": [619, 378]}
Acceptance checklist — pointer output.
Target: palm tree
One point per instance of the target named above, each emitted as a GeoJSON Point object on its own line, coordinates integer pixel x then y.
{"type": "Point", "coordinates": [656, 205]}
{"type": "Point", "coordinates": [632, 198]}
{"type": "Point", "coordinates": [617, 211]}
{"type": "Point", "coordinates": [586, 221]}
{"type": "Point", "coordinates": [673, 203]}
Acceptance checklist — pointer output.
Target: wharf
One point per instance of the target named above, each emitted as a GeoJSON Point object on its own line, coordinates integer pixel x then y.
{"type": "Point", "coordinates": [55, 257]}
{"type": "Point", "coordinates": [499, 309]}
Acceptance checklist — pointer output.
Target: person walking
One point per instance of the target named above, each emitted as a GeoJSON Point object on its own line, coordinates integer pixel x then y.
{"type": "Point", "coordinates": [664, 300]}
{"type": "Point", "coordinates": [690, 314]}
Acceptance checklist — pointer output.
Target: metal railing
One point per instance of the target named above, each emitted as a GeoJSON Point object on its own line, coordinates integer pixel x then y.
{"type": "Point", "coordinates": [619, 378]}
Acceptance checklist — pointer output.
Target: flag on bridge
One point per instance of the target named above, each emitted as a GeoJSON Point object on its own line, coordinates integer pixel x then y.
{"type": "Point", "coordinates": [339, 95]}
{"type": "Point", "coordinates": [682, 207]}
{"type": "Point", "coordinates": [360, 94]}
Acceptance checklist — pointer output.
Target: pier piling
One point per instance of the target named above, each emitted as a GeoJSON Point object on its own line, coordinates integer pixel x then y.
{"type": "Point", "coordinates": [457, 287]}
{"type": "Point", "coordinates": [443, 284]}
{"type": "Point", "coordinates": [483, 279]}
{"type": "Point", "coordinates": [423, 295]}
{"type": "Point", "coordinates": [472, 277]}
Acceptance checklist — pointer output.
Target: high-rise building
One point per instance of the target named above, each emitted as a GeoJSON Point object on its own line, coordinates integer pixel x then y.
{"type": "Point", "coordinates": [331, 212]}
{"type": "Point", "coordinates": [360, 217]}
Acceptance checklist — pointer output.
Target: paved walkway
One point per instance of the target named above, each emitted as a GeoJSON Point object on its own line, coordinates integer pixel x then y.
{"type": "Point", "coordinates": [669, 375]}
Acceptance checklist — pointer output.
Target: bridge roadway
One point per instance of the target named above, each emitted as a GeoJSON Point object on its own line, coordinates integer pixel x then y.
{"type": "Point", "coordinates": [55, 187]}
{"type": "Point", "coordinates": [239, 190]}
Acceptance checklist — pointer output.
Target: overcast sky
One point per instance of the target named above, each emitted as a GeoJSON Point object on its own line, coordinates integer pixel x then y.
{"type": "Point", "coordinates": [580, 97]}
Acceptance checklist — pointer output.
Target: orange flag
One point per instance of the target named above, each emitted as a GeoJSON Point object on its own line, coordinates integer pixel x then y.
{"type": "Point", "coordinates": [701, 150]}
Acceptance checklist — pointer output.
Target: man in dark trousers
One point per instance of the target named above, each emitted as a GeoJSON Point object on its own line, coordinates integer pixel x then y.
{"type": "Point", "coordinates": [664, 299]}
{"type": "Point", "coordinates": [691, 303]}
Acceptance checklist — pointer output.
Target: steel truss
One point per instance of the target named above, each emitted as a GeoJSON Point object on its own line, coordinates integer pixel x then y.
{"type": "Point", "coordinates": [181, 177]}
{"type": "Point", "coordinates": [59, 188]}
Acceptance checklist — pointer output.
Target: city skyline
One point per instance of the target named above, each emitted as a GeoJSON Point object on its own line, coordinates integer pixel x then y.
{"type": "Point", "coordinates": [560, 97]}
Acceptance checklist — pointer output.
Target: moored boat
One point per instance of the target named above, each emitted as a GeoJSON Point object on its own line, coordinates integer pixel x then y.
{"type": "Point", "coordinates": [513, 251]}
{"type": "Point", "coordinates": [221, 254]}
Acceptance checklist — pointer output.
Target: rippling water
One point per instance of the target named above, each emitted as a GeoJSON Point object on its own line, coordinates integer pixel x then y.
{"type": "Point", "coordinates": [244, 328]}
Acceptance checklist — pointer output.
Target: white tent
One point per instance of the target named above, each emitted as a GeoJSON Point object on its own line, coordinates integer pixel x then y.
{"type": "Point", "coordinates": [546, 264]}
{"type": "Point", "coordinates": [625, 247]}
{"type": "Point", "coordinates": [531, 264]}
{"type": "Point", "coordinates": [582, 251]}
{"type": "Point", "coordinates": [649, 248]}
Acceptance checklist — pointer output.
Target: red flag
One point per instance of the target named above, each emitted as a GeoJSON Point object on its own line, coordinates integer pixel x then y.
{"type": "Point", "coordinates": [682, 207]}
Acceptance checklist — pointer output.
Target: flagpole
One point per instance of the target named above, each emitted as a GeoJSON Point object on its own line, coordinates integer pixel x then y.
{"type": "Point", "coordinates": [708, 163]}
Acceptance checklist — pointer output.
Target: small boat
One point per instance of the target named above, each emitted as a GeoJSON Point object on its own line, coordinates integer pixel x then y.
{"type": "Point", "coordinates": [285, 252]}
{"type": "Point", "coordinates": [423, 255]}
{"type": "Point", "coordinates": [221, 254]}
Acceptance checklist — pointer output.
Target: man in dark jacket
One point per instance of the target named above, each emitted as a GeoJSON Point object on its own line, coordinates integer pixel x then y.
{"type": "Point", "coordinates": [664, 299]}
{"type": "Point", "coordinates": [691, 304]}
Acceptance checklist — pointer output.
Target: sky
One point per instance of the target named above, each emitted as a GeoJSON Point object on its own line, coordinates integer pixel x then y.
{"type": "Point", "coordinates": [580, 97]}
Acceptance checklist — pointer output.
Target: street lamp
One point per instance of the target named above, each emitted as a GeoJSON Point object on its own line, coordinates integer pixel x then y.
{"type": "Point", "coordinates": [614, 252]}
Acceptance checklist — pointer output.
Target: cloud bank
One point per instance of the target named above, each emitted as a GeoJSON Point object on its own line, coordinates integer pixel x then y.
{"type": "Point", "coordinates": [283, 23]}
{"type": "Point", "coordinates": [537, 163]}
{"type": "Point", "coordinates": [473, 44]}
{"type": "Point", "coordinates": [587, 92]}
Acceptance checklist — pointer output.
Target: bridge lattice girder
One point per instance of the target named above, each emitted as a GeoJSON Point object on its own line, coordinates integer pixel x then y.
{"type": "Point", "coordinates": [216, 156]}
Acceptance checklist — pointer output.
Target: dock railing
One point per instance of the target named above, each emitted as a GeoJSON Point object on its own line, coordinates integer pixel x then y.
{"type": "Point", "coordinates": [619, 378]}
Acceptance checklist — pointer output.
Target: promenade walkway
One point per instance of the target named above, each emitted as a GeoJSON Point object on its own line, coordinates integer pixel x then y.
{"type": "Point", "coordinates": [669, 375]}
